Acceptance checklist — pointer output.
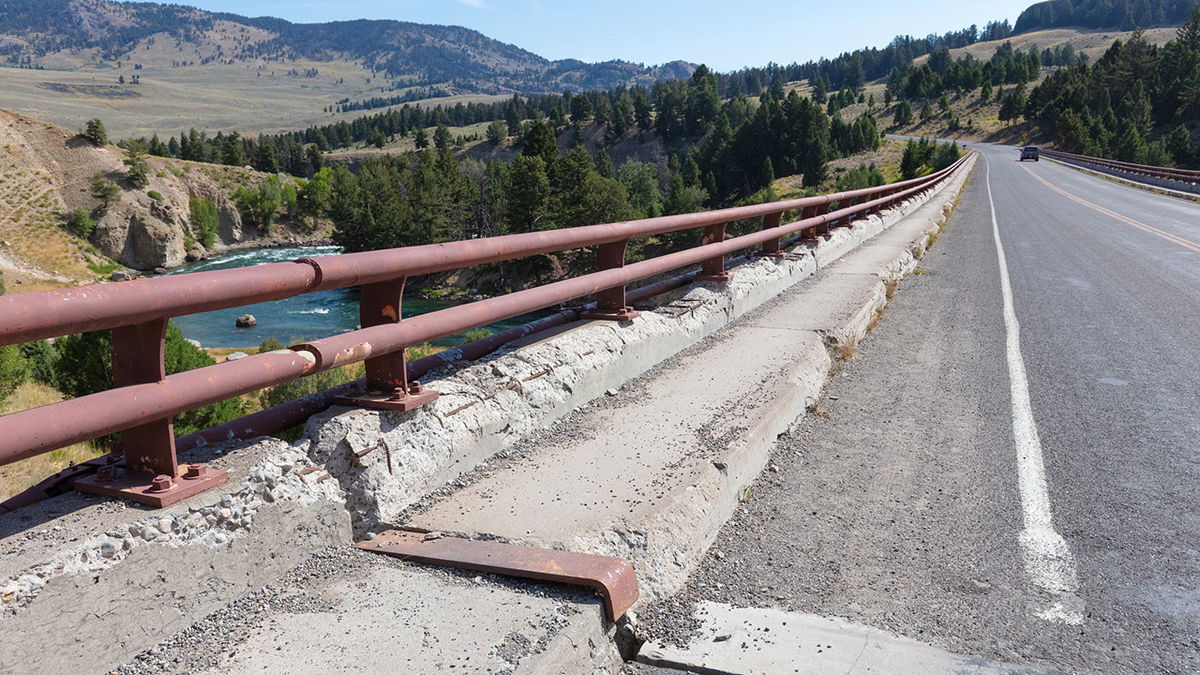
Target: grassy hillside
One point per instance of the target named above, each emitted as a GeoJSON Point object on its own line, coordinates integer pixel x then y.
{"type": "Point", "coordinates": [1092, 43]}
{"type": "Point", "coordinates": [185, 67]}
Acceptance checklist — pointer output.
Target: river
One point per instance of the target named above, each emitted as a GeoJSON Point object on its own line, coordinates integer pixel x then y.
{"type": "Point", "coordinates": [304, 317]}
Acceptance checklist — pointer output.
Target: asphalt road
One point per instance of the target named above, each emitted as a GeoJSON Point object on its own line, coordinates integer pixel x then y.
{"type": "Point", "coordinates": [1028, 495]}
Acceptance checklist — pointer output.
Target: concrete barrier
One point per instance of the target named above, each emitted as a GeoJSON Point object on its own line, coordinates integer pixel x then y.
{"type": "Point", "coordinates": [86, 583]}
{"type": "Point", "coordinates": [1157, 181]}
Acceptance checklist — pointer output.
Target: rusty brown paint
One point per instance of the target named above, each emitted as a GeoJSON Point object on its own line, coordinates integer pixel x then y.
{"type": "Point", "coordinates": [613, 578]}
{"type": "Point", "coordinates": [31, 432]}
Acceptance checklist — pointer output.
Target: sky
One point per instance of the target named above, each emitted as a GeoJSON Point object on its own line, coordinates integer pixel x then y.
{"type": "Point", "coordinates": [725, 35]}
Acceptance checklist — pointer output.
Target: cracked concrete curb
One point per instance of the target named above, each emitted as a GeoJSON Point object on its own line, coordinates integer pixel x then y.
{"type": "Point", "coordinates": [88, 583]}
{"type": "Point", "coordinates": [386, 462]}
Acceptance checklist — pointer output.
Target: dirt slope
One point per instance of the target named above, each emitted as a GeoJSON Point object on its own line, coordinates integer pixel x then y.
{"type": "Point", "coordinates": [45, 173]}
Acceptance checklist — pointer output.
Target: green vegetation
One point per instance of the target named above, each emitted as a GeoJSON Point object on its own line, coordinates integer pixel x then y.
{"type": "Point", "coordinates": [260, 207]}
{"type": "Point", "coordinates": [204, 220]}
{"type": "Point", "coordinates": [80, 223]}
{"type": "Point", "coordinates": [137, 170]}
{"type": "Point", "coordinates": [14, 368]}
{"type": "Point", "coordinates": [1138, 103]}
{"type": "Point", "coordinates": [82, 364]}
{"type": "Point", "coordinates": [926, 156]}
{"type": "Point", "coordinates": [104, 189]}
{"type": "Point", "coordinates": [94, 132]}
{"type": "Point", "coordinates": [155, 195]}
{"type": "Point", "coordinates": [1112, 14]}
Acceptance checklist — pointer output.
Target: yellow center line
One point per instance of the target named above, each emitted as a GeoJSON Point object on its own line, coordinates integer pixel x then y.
{"type": "Point", "coordinates": [1175, 239]}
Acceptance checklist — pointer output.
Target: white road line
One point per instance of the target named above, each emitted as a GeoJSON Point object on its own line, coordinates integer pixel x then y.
{"type": "Point", "coordinates": [1048, 560]}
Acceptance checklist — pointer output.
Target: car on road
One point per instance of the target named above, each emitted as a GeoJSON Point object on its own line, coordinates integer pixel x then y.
{"type": "Point", "coordinates": [1029, 152]}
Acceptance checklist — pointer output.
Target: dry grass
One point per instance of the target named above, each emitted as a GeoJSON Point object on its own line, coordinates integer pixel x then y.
{"type": "Point", "coordinates": [16, 477]}
{"type": "Point", "coordinates": [847, 350]}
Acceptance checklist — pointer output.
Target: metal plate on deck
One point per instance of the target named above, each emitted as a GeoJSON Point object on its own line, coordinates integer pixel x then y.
{"type": "Point", "coordinates": [612, 577]}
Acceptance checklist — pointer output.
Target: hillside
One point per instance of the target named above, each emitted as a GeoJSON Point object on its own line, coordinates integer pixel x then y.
{"type": "Point", "coordinates": [165, 68]}
{"type": "Point", "coordinates": [1091, 43]}
{"type": "Point", "coordinates": [45, 172]}
{"type": "Point", "coordinates": [1124, 15]}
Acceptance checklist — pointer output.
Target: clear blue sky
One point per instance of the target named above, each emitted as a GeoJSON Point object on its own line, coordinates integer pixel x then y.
{"type": "Point", "coordinates": [725, 34]}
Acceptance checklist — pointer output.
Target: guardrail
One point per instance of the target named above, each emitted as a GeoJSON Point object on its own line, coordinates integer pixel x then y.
{"type": "Point", "coordinates": [143, 399]}
{"type": "Point", "coordinates": [1186, 176]}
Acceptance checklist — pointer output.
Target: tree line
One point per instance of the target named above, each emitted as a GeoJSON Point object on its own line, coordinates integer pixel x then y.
{"type": "Point", "coordinates": [1137, 103]}
{"type": "Point", "coordinates": [1119, 14]}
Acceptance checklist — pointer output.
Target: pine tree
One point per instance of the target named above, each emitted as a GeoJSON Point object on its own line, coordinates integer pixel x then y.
{"type": "Point", "coordinates": [137, 170]}
{"type": "Point", "coordinates": [540, 142]}
{"type": "Point", "coordinates": [94, 131]}
{"type": "Point", "coordinates": [104, 189]}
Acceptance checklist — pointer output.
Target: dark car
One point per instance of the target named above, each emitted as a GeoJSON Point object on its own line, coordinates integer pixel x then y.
{"type": "Point", "coordinates": [1029, 152]}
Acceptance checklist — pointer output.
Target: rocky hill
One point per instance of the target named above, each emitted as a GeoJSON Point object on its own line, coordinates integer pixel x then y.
{"type": "Point", "coordinates": [45, 173]}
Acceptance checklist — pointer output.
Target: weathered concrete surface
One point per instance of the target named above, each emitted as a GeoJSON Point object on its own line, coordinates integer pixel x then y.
{"type": "Point", "coordinates": [406, 619]}
{"type": "Point", "coordinates": [86, 583]}
{"type": "Point", "coordinates": [752, 640]}
{"type": "Point", "coordinates": [489, 406]}
{"type": "Point", "coordinates": [485, 408]}
{"type": "Point", "coordinates": [653, 477]}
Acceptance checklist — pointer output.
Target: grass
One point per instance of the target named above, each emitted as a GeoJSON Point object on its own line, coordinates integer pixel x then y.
{"type": "Point", "coordinates": [16, 477]}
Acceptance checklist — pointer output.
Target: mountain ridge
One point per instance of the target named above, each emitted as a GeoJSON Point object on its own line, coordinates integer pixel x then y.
{"type": "Point", "coordinates": [407, 53]}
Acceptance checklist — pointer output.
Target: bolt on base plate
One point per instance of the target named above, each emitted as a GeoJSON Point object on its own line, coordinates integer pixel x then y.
{"type": "Point", "coordinates": [396, 400]}
{"type": "Point", "coordinates": [145, 488]}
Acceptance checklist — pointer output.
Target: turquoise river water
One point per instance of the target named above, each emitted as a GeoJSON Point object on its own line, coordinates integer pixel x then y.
{"type": "Point", "coordinates": [305, 317]}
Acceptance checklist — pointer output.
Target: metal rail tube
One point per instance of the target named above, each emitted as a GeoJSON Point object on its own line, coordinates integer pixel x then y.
{"type": "Point", "coordinates": [44, 314]}
{"type": "Point", "coordinates": [32, 432]}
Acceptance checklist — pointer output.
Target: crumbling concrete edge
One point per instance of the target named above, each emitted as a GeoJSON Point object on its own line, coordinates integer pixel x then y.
{"type": "Point", "coordinates": [386, 462]}
{"type": "Point", "coordinates": [668, 547]}
{"type": "Point", "coordinates": [161, 570]}
{"type": "Point", "coordinates": [1159, 186]}
{"type": "Point", "coordinates": [63, 587]}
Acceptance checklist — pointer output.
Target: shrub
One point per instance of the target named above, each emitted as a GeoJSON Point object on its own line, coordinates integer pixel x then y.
{"type": "Point", "coordinates": [269, 345]}
{"type": "Point", "coordinates": [80, 223]}
{"type": "Point", "coordinates": [42, 356]}
{"type": "Point", "coordinates": [155, 195]}
{"type": "Point", "coordinates": [204, 221]}
{"type": "Point", "coordinates": [476, 334]}
{"type": "Point", "coordinates": [104, 189]}
{"type": "Point", "coordinates": [94, 132]}
{"type": "Point", "coordinates": [14, 369]}
{"type": "Point", "coordinates": [84, 366]}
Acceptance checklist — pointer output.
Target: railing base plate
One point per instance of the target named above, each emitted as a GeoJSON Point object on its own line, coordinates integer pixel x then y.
{"type": "Point", "coordinates": [612, 577]}
{"type": "Point", "coordinates": [384, 401]}
{"type": "Point", "coordinates": [138, 487]}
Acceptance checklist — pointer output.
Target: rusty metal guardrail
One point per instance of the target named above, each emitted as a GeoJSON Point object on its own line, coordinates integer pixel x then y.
{"type": "Point", "coordinates": [144, 399]}
{"type": "Point", "coordinates": [1188, 176]}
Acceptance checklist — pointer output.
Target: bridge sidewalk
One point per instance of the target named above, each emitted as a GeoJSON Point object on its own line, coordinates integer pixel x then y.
{"type": "Point", "coordinates": [648, 473]}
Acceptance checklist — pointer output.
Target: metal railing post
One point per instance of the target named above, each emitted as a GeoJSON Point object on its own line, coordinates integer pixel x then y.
{"type": "Point", "coordinates": [610, 303]}
{"type": "Point", "coordinates": [770, 248]}
{"type": "Point", "coordinates": [713, 269]}
{"type": "Point", "coordinates": [151, 472]}
{"type": "Point", "coordinates": [388, 387]}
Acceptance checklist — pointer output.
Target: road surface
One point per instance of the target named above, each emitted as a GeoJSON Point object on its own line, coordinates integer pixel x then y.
{"type": "Point", "coordinates": [1009, 469]}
